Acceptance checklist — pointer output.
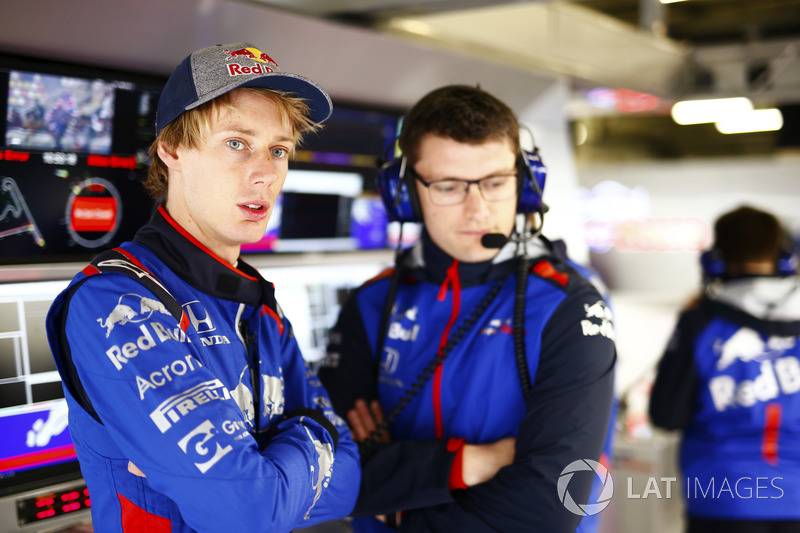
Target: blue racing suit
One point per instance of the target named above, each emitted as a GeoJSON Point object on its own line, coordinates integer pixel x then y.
{"type": "Point", "coordinates": [209, 423]}
{"type": "Point", "coordinates": [475, 396]}
{"type": "Point", "coordinates": [730, 378]}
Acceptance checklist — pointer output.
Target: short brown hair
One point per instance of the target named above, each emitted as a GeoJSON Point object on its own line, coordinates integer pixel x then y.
{"type": "Point", "coordinates": [747, 234]}
{"type": "Point", "coordinates": [189, 128]}
{"type": "Point", "coordinates": [463, 113]}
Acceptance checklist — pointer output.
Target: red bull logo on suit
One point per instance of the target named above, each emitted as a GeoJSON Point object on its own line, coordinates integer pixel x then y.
{"type": "Point", "coordinates": [777, 372]}
{"type": "Point", "coordinates": [131, 308]}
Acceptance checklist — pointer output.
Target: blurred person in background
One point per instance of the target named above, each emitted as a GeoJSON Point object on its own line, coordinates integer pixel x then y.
{"type": "Point", "coordinates": [729, 379]}
{"type": "Point", "coordinates": [480, 367]}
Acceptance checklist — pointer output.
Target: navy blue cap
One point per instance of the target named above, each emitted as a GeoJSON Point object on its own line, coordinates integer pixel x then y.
{"type": "Point", "coordinates": [216, 70]}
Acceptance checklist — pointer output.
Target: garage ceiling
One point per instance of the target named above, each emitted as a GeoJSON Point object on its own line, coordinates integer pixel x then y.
{"type": "Point", "coordinates": [693, 48]}
{"type": "Point", "coordinates": [714, 22]}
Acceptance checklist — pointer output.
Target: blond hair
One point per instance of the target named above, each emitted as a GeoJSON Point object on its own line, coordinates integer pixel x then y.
{"type": "Point", "coordinates": [189, 128]}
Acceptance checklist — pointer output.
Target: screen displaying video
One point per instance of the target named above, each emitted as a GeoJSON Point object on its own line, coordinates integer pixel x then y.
{"type": "Point", "coordinates": [73, 157]}
{"type": "Point", "coordinates": [59, 113]}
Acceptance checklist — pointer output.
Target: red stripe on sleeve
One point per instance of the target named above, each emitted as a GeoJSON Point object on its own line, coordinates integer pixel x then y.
{"type": "Point", "coordinates": [457, 469]}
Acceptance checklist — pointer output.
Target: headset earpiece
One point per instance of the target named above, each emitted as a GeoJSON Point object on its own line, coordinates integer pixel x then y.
{"type": "Point", "coordinates": [714, 266]}
{"type": "Point", "coordinates": [532, 176]}
{"type": "Point", "coordinates": [398, 192]}
{"type": "Point", "coordinates": [787, 262]}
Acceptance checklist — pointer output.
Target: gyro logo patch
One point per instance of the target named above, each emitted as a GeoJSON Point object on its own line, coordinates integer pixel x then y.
{"type": "Point", "coordinates": [173, 409]}
{"type": "Point", "coordinates": [201, 448]}
{"type": "Point", "coordinates": [591, 508]}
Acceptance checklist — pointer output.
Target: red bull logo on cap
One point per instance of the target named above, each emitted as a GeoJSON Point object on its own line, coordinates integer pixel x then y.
{"type": "Point", "coordinates": [262, 59]}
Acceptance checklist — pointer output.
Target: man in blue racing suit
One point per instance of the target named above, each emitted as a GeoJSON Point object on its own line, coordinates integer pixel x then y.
{"type": "Point", "coordinates": [729, 379]}
{"type": "Point", "coordinates": [190, 405]}
{"type": "Point", "coordinates": [474, 378]}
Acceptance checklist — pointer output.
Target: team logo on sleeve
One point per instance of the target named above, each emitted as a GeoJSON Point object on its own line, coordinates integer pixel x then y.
{"type": "Point", "coordinates": [598, 320]}
{"type": "Point", "coordinates": [131, 308]}
{"type": "Point", "coordinates": [243, 397]}
{"type": "Point", "coordinates": [272, 398]}
{"type": "Point", "coordinates": [321, 475]}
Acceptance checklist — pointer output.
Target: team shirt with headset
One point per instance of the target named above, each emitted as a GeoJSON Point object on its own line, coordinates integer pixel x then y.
{"type": "Point", "coordinates": [730, 378]}
{"type": "Point", "coordinates": [475, 395]}
{"type": "Point", "coordinates": [193, 409]}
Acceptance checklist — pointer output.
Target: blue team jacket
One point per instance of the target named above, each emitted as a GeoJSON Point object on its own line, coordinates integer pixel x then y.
{"type": "Point", "coordinates": [230, 427]}
{"type": "Point", "coordinates": [730, 379]}
{"type": "Point", "coordinates": [476, 393]}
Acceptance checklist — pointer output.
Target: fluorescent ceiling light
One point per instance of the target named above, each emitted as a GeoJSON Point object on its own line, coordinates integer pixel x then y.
{"type": "Point", "coordinates": [703, 111]}
{"type": "Point", "coordinates": [752, 121]}
{"type": "Point", "coordinates": [670, 1]}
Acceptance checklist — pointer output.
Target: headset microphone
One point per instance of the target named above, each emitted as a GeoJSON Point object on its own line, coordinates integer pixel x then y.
{"type": "Point", "coordinates": [494, 240]}
{"type": "Point", "coordinates": [498, 240]}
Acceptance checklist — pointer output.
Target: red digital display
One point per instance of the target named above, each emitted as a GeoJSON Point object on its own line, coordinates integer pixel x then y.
{"type": "Point", "coordinates": [93, 213]}
{"type": "Point", "coordinates": [53, 504]}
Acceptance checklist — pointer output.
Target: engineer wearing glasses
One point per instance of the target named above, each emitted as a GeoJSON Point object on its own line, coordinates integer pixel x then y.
{"type": "Point", "coordinates": [479, 369]}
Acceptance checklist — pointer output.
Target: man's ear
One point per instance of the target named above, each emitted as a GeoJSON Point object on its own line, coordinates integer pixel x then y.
{"type": "Point", "coordinates": [168, 155]}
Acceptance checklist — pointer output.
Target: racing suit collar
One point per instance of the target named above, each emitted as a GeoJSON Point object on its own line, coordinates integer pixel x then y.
{"type": "Point", "coordinates": [199, 266]}
{"type": "Point", "coordinates": [426, 261]}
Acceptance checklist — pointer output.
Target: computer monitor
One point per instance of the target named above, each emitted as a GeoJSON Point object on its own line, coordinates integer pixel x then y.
{"type": "Point", "coordinates": [73, 153]}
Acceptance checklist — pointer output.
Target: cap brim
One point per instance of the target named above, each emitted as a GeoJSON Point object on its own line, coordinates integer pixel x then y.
{"type": "Point", "coordinates": [319, 103]}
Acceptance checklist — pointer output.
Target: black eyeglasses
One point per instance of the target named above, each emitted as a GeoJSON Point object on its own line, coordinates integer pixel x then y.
{"type": "Point", "coordinates": [453, 191]}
